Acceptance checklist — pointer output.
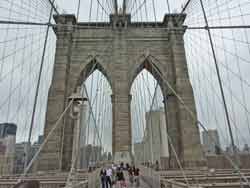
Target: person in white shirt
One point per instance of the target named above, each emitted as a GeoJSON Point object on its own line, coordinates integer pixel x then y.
{"type": "Point", "coordinates": [109, 177]}
{"type": "Point", "coordinates": [114, 167]}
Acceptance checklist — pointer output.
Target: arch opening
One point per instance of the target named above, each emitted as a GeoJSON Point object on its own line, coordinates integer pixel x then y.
{"type": "Point", "coordinates": [151, 68]}
{"type": "Point", "coordinates": [90, 68]}
{"type": "Point", "coordinates": [96, 116]}
{"type": "Point", "coordinates": [149, 129]}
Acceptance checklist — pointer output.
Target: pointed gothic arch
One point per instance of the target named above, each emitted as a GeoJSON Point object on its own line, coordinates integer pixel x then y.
{"type": "Point", "coordinates": [90, 67]}
{"type": "Point", "coordinates": [147, 64]}
{"type": "Point", "coordinates": [160, 149]}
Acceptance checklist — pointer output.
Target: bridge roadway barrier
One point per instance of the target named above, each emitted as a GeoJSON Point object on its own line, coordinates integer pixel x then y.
{"type": "Point", "coordinates": [48, 180]}
{"type": "Point", "coordinates": [94, 179]}
{"type": "Point", "coordinates": [150, 177]}
{"type": "Point", "coordinates": [204, 179]}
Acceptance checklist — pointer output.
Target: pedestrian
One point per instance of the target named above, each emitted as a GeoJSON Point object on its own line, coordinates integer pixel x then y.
{"type": "Point", "coordinates": [103, 177]}
{"type": "Point", "coordinates": [131, 176]}
{"type": "Point", "coordinates": [120, 178]}
{"type": "Point", "coordinates": [122, 166]}
{"type": "Point", "coordinates": [136, 177]}
{"type": "Point", "coordinates": [133, 169]}
{"type": "Point", "coordinates": [109, 177]}
{"type": "Point", "coordinates": [157, 166]}
{"type": "Point", "coordinates": [127, 166]}
{"type": "Point", "coordinates": [114, 168]}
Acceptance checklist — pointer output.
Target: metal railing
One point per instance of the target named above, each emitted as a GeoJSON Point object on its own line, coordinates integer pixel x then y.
{"type": "Point", "coordinates": [150, 176]}
{"type": "Point", "coordinates": [93, 179]}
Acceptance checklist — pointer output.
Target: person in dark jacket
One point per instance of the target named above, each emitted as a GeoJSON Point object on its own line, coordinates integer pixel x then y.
{"type": "Point", "coordinates": [103, 177]}
{"type": "Point", "coordinates": [131, 176]}
{"type": "Point", "coordinates": [120, 178]}
{"type": "Point", "coordinates": [127, 166]}
{"type": "Point", "coordinates": [122, 166]}
{"type": "Point", "coordinates": [137, 177]}
{"type": "Point", "coordinates": [157, 165]}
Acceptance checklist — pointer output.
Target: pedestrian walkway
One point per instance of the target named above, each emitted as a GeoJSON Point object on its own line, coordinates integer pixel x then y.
{"type": "Point", "coordinates": [142, 183]}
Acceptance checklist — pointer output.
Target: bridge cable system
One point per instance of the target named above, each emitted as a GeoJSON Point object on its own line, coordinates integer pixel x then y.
{"type": "Point", "coordinates": [217, 44]}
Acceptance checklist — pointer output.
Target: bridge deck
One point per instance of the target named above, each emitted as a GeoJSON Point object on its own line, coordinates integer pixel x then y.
{"type": "Point", "coordinates": [143, 184]}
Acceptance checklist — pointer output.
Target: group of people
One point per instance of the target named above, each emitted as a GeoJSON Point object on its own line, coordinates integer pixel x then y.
{"type": "Point", "coordinates": [115, 175]}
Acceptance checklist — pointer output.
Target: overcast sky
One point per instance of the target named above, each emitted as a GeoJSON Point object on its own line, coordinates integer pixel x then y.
{"type": "Point", "coordinates": [160, 6]}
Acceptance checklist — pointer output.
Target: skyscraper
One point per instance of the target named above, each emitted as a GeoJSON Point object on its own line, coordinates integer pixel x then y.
{"type": "Point", "coordinates": [154, 146]}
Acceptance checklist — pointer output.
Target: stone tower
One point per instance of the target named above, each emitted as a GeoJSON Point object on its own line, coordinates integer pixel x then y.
{"type": "Point", "coordinates": [121, 49]}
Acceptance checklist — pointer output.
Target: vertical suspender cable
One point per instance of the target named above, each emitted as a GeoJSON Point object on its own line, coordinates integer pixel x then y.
{"type": "Point", "coordinates": [169, 10]}
{"type": "Point", "coordinates": [90, 11]}
{"type": "Point", "coordinates": [146, 10]}
{"type": "Point", "coordinates": [37, 86]}
{"type": "Point", "coordinates": [153, 2]}
{"type": "Point", "coordinates": [124, 6]}
{"type": "Point", "coordinates": [115, 7]}
{"type": "Point", "coordinates": [219, 78]}
{"type": "Point", "coordinates": [78, 10]}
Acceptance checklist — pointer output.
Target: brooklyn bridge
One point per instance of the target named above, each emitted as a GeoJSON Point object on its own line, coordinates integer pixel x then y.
{"type": "Point", "coordinates": [135, 93]}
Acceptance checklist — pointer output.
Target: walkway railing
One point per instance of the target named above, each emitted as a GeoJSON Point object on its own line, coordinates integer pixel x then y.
{"type": "Point", "coordinates": [172, 183]}
{"type": "Point", "coordinates": [94, 179]}
{"type": "Point", "coordinates": [150, 176]}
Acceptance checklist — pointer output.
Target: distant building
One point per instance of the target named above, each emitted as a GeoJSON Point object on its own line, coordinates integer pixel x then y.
{"type": "Point", "coordinates": [35, 147]}
{"type": "Point", "coordinates": [7, 147]}
{"type": "Point", "coordinates": [154, 146]}
{"type": "Point", "coordinates": [83, 160]}
{"type": "Point", "coordinates": [246, 149]}
{"type": "Point", "coordinates": [40, 139]}
{"type": "Point", "coordinates": [20, 153]}
{"type": "Point", "coordinates": [230, 150]}
{"type": "Point", "coordinates": [139, 152]}
{"type": "Point", "coordinates": [109, 156]}
{"type": "Point", "coordinates": [90, 155]}
{"type": "Point", "coordinates": [211, 142]}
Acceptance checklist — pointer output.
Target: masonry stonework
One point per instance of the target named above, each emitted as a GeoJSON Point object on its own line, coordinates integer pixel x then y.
{"type": "Point", "coordinates": [120, 50]}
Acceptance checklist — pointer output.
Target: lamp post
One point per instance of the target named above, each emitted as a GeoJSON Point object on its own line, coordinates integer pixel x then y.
{"type": "Point", "coordinates": [75, 114]}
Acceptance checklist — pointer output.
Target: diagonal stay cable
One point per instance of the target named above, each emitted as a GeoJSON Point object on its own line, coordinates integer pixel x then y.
{"type": "Point", "coordinates": [192, 114]}
{"type": "Point", "coordinates": [38, 84]}
{"type": "Point", "coordinates": [54, 127]}
{"type": "Point", "coordinates": [90, 105]}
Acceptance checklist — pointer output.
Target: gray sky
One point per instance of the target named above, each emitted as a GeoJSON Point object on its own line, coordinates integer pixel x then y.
{"type": "Point", "coordinates": [160, 6]}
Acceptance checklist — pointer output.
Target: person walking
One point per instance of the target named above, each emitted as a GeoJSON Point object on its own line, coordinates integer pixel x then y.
{"type": "Point", "coordinates": [131, 176]}
{"type": "Point", "coordinates": [133, 168]}
{"type": "Point", "coordinates": [120, 178]}
{"type": "Point", "coordinates": [127, 166]}
{"type": "Point", "coordinates": [137, 178]}
{"type": "Point", "coordinates": [109, 177]}
{"type": "Point", "coordinates": [103, 178]}
{"type": "Point", "coordinates": [157, 166]}
{"type": "Point", "coordinates": [114, 169]}
{"type": "Point", "coordinates": [122, 166]}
